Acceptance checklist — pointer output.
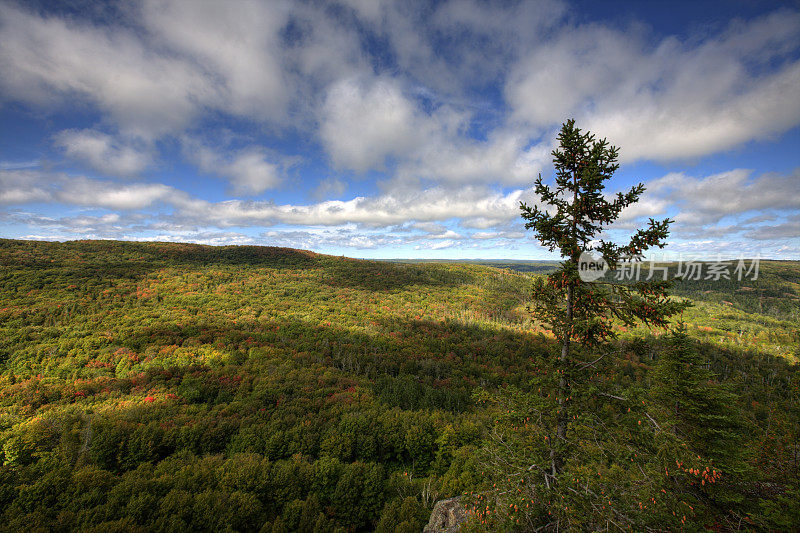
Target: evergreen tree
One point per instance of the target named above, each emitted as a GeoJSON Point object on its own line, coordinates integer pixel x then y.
{"type": "Point", "coordinates": [564, 447]}
{"type": "Point", "coordinates": [575, 215]}
{"type": "Point", "coordinates": [701, 413]}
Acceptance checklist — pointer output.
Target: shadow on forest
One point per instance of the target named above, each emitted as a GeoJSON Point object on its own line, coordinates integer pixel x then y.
{"type": "Point", "coordinates": [422, 364]}
{"type": "Point", "coordinates": [409, 363]}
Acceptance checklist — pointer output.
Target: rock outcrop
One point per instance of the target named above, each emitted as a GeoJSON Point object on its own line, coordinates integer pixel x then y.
{"type": "Point", "coordinates": [447, 516]}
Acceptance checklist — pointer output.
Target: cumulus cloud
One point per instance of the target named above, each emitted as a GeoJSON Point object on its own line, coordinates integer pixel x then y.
{"type": "Point", "coordinates": [124, 228]}
{"type": "Point", "coordinates": [556, 78]}
{"type": "Point", "coordinates": [440, 245]}
{"type": "Point", "coordinates": [164, 64]}
{"type": "Point", "coordinates": [102, 152]}
{"type": "Point", "coordinates": [169, 62]}
{"type": "Point", "coordinates": [427, 42]}
{"type": "Point", "coordinates": [29, 186]}
{"type": "Point", "coordinates": [46, 59]}
{"type": "Point", "coordinates": [16, 165]}
{"type": "Point", "coordinates": [723, 206]}
{"type": "Point", "coordinates": [648, 206]}
{"type": "Point", "coordinates": [509, 235]}
{"type": "Point", "coordinates": [789, 229]}
{"type": "Point", "coordinates": [342, 237]}
{"type": "Point", "coordinates": [426, 221]}
{"type": "Point", "coordinates": [431, 228]}
{"type": "Point", "coordinates": [365, 122]}
{"type": "Point", "coordinates": [390, 209]}
{"type": "Point", "coordinates": [250, 170]}
{"type": "Point", "coordinates": [672, 100]}
{"type": "Point", "coordinates": [505, 157]}
{"type": "Point", "coordinates": [109, 225]}
{"type": "Point", "coordinates": [86, 192]}
{"type": "Point", "coordinates": [382, 211]}
{"type": "Point", "coordinates": [482, 222]}
{"type": "Point", "coordinates": [709, 199]}
{"type": "Point", "coordinates": [22, 187]}
{"type": "Point", "coordinates": [237, 48]}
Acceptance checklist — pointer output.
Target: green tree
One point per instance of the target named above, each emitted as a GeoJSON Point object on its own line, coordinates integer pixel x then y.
{"type": "Point", "coordinates": [562, 450]}
{"type": "Point", "coordinates": [405, 515]}
{"type": "Point", "coordinates": [701, 413]}
{"type": "Point", "coordinates": [575, 214]}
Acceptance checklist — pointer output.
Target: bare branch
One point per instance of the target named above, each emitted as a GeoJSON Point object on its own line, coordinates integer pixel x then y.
{"type": "Point", "coordinates": [612, 396]}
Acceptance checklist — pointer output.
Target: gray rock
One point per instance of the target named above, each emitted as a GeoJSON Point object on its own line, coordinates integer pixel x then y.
{"type": "Point", "coordinates": [447, 516]}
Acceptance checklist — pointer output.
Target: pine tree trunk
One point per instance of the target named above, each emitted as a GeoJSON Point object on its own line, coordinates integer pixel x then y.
{"type": "Point", "coordinates": [563, 391]}
{"type": "Point", "coordinates": [562, 420]}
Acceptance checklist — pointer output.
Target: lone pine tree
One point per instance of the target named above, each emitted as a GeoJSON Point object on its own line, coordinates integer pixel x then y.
{"type": "Point", "coordinates": [575, 213]}
{"type": "Point", "coordinates": [562, 452]}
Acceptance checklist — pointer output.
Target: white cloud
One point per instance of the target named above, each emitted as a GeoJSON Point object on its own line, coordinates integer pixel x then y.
{"type": "Point", "coordinates": [669, 101]}
{"type": "Point", "coordinates": [452, 47]}
{"type": "Point", "coordinates": [95, 193]}
{"type": "Point", "coordinates": [432, 228]}
{"type": "Point", "coordinates": [102, 152]}
{"type": "Point", "coordinates": [440, 245]}
{"type": "Point", "coordinates": [449, 234]}
{"type": "Point", "coordinates": [709, 199]}
{"type": "Point", "coordinates": [250, 170]}
{"type": "Point", "coordinates": [157, 70]}
{"type": "Point", "coordinates": [720, 206]}
{"type": "Point", "coordinates": [109, 225]}
{"type": "Point", "coordinates": [168, 63]}
{"type": "Point", "coordinates": [508, 235]}
{"type": "Point", "coordinates": [388, 210]}
{"type": "Point", "coordinates": [482, 222]}
{"type": "Point", "coordinates": [212, 238]}
{"type": "Point", "coordinates": [26, 186]}
{"type": "Point", "coordinates": [418, 104]}
{"type": "Point", "coordinates": [22, 186]}
{"type": "Point", "coordinates": [557, 77]}
{"type": "Point", "coordinates": [649, 129]}
{"type": "Point", "coordinates": [647, 206]}
{"type": "Point", "coordinates": [314, 238]}
{"type": "Point", "coordinates": [163, 65]}
{"type": "Point", "coordinates": [365, 122]}
{"type": "Point", "coordinates": [450, 158]}
{"type": "Point", "coordinates": [46, 60]}
{"type": "Point", "coordinates": [237, 47]}
{"type": "Point", "coordinates": [17, 165]}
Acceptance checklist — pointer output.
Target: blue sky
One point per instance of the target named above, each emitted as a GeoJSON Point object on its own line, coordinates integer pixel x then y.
{"type": "Point", "coordinates": [382, 129]}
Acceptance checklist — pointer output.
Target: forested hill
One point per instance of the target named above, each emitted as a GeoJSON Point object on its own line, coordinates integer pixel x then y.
{"type": "Point", "coordinates": [173, 387]}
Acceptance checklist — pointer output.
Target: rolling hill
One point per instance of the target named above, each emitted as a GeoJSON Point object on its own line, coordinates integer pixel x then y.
{"type": "Point", "coordinates": [168, 387]}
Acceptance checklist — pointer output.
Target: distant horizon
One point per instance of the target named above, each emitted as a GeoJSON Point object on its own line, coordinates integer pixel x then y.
{"type": "Point", "coordinates": [694, 257]}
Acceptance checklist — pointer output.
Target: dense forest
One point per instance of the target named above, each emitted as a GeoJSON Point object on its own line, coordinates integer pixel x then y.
{"type": "Point", "coordinates": [173, 387]}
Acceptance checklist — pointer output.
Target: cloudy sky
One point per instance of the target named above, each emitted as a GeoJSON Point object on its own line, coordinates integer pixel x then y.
{"type": "Point", "coordinates": [373, 128]}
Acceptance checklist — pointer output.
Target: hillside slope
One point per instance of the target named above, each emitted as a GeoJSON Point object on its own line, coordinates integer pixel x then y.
{"type": "Point", "coordinates": [170, 387]}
